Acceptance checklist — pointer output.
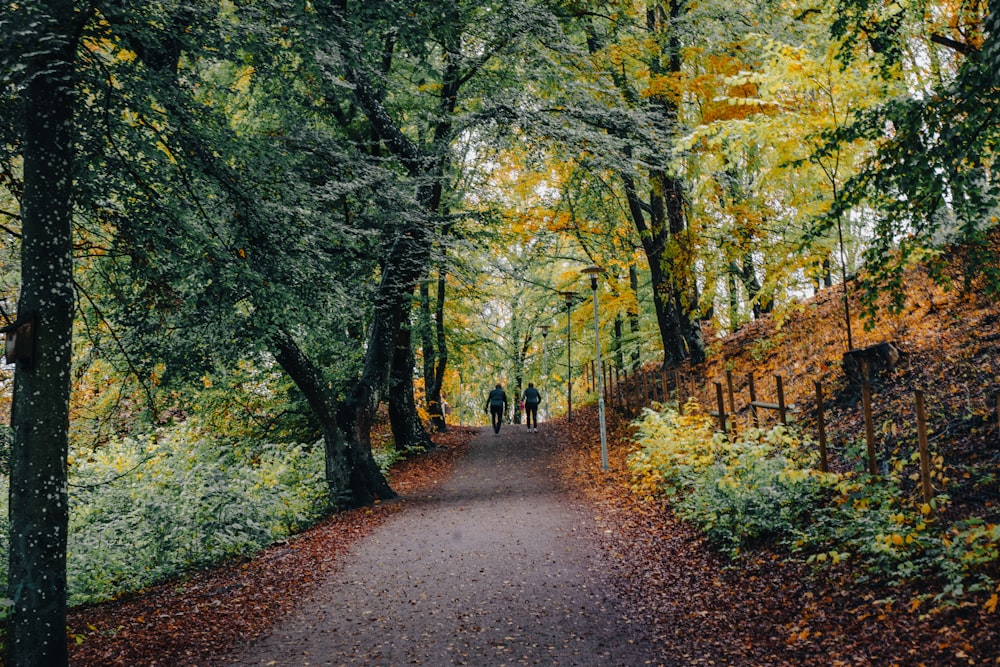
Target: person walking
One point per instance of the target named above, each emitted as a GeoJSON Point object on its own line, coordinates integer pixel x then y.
{"type": "Point", "coordinates": [496, 405]}
{"type": "Point", "coordinates": [532, 397]}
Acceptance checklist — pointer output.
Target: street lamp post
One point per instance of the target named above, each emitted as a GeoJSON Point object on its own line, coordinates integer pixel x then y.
{"type": "Point", "coordinates": [568, 295]}
{"type": "Point", "coordinates": [545, 368]}
{"type": "Point", "coordinates": [593, 272]}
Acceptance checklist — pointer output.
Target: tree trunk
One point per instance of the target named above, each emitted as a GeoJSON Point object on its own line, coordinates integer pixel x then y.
{"type": "Point", "coordinates": [435, 351]}
{"type": "Point", "coordinates": [616, 347]}
{"type": "Point", "coordinates": [633, 315]}
{"type": "Point", "coordinates": [407, 429]}
{"type": "Point", "coordinates": [408, 261]}
{"type": "Point", "coordinates": [352, 476]}
{"type": "Point", "coordinates": [733, 297]}
{"type": "Point", "coordinates": [752, 284]}
{"type": "Point", "coordinates": [39, 508]}
{"type": "Point", "coordinates": [654, 238]}
{"type": "Point", "coordinates": [679, 264]}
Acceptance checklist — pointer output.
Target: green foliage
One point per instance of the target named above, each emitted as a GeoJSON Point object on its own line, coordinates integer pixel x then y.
{"type": "Point", "coordinates": [144, 510]}
{"type": "Point", "coordinates": [928, 183]}
{"type": "Point", "coordinates": [764, 486]}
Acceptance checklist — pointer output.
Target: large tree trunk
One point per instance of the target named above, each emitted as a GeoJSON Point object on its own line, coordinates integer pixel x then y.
{"type": "Point", "coordinates": [352, 476]}
{"type": "Point", "coordinates": [654, 237]}
{"type": "Point", "coordinates": [407, 428]}
{"type": "Point", "coordinates": [408, 261]}
{"type": "Point", "coordinates": [435, 349]}
{"type": "Point", "coordinates": [678, 264]}
{"type": "Point", "coordinates": [654, 233]}
{"type": "Point", "coordinates": [39, 508]}
{"type": "Point", "coordinates": [684, 288]}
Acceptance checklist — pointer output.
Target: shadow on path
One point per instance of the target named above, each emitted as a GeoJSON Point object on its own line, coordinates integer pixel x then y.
{"type": "Point", "coordinates": [495, 566]}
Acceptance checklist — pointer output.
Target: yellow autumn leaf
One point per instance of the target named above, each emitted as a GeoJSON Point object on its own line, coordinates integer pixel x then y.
{"type": "Point", "coordinates": [991, 604]}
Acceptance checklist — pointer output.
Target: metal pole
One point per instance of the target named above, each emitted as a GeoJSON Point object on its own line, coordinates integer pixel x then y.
{"type": "Point", "coordinates": [545, 370]}
{"type": "Point", "coordinates": [569, 357]}
{"type": "Point", "coordinates": [600, 378]}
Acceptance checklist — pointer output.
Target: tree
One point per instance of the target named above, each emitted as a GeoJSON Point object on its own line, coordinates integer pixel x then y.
{"type": "Point", "coordinates": [615, 111]}
{"type": "Point", "coordinates": [930, 180]}
{"type": "Point", "coordinates": [42, 37]}
{"type": "Point", "coordinates": [204, 240]}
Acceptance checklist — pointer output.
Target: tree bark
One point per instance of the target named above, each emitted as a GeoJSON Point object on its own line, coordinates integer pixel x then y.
{"type": "Point", "coordinates": [39, 508]}
{"type": "Point", "coordinates": [352, 476]}
{"type": "Point", "coordinates": [670, 190]}
{"type": "Point", "coordinates": [408, 261]}
{"type": "Point", "coordinates": [633, 314]}
{"type": "Point", "coordinates": [435, 349]}
{"type": "Point", "coordinates": [654, 242]}
{"type": "Point", "coordinates": [407, 428]}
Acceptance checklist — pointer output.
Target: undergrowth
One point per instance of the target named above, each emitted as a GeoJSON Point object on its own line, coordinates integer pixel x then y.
{"type": "Point", "coordinates": [145, 510]}
{"type": "Point", "coordinates": [765, 487]}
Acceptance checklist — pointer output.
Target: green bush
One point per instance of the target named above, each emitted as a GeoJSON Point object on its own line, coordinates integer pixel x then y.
{"type": "Point", "coordinates": [762, 485]}
{"type": "Point", "coordinates": [142, 511]}
{"type": "Point", "coordinates": [765, 486]}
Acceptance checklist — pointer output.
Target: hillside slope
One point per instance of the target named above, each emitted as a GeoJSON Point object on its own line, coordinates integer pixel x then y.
{"type": "Point", "coordinates": [949, 344]}
{"type": "Point", "coordinates": [764, 609]}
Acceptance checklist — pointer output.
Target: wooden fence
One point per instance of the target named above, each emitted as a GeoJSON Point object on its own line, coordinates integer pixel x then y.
{"type": "Point", "coordinates": [628, 394]}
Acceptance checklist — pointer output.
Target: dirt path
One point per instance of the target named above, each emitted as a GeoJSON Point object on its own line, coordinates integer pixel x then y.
{"type": "Point", "coordinates": [496, 566]}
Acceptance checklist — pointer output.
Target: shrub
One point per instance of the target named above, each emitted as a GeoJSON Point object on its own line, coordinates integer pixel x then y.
{"type": "Point", "coordinates": [142, 511]}
{"type": "Point", "coordinates": [761, 485]}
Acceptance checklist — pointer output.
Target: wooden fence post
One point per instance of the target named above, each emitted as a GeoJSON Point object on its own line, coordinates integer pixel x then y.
{"type": "Point", "coordinates": [925, 455]}
{"type": "Point", "coordinates": [680, 393]}
{"type": "Point", "coordinates": [866, 401]}
{"type": "Point", "coordinates": [824, 464]}
{"type": "Point", "coordinates": [732, 400]}
{"type": "Point", "coordinates": [625, 393]}
{"type": "Point", "coordinates": [722, 406]}
{"type": "Point", "coordinates": [619, 397]}
{"type": "Point", "coordinates": [663, 383]}
{"type": "Point", "coordinates": [782, 409]}
{"type": "Point", "coordinates": [753, 401]}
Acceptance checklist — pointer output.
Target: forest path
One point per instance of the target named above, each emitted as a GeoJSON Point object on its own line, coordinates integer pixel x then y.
{"type": "Point", "coordinates": [495, 566]}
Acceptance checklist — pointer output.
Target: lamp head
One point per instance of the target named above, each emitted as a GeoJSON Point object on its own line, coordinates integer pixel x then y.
{"type": "Point", "coordinates": [593, 272]}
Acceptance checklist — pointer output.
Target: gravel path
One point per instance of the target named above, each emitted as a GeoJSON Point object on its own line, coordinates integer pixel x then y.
{"type": "Point", "coordinates": [495, 566]}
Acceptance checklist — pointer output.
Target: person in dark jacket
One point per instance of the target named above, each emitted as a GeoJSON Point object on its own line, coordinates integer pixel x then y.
{"type": "Point", "coordinates": [532, 397]}
{"type": "Point", "coordinates": [496, 405]}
